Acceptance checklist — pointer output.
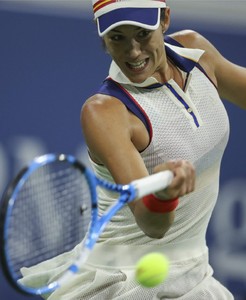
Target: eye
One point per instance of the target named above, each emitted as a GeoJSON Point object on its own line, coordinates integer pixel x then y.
{"type": "Point", "coordinates": [144, 33]}
{"type": "Point", "coordinates": [116, 37]}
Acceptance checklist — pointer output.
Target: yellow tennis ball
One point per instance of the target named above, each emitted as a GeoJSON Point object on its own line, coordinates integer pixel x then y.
{"type": "Point", "coordinates": [152, 269]}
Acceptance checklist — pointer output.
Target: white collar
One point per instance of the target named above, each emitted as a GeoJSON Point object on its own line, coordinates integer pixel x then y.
{"type": "Point", "coordinates": [117, 75]}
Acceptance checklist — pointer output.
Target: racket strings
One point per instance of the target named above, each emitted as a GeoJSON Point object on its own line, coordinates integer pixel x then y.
{"type": "Point", "coordinates": [47, 219]}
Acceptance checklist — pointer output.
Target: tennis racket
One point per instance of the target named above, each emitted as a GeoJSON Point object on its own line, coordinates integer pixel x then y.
{"type": "Point", "coordinates": [50, 207]}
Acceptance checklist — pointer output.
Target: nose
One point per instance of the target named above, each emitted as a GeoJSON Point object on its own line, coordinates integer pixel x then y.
{"type": "Point", "coordinates": [133, 48]}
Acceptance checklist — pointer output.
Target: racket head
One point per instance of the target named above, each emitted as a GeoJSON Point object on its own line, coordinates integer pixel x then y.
{"type": "Point", "coordinates": [45, 211]}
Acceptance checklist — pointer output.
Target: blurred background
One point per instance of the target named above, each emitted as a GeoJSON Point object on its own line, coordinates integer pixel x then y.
{"type": "Point", "coordinates": [51, 61]}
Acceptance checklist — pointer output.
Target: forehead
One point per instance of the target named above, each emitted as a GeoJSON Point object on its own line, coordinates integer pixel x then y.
{"type": "Point", "coordinates": [126, 29]}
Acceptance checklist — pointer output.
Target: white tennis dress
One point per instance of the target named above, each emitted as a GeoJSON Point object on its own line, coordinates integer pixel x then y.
{"type": "Point", "coordinates": [189, 124]}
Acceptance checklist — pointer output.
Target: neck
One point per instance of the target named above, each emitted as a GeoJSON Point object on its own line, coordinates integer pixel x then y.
{"type": "Point", "coordinates": [170, 71]}
{"type": "Point", "coordinates": [174, 73]}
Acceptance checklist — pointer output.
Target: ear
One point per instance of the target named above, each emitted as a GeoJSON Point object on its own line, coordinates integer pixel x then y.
{"type": "Point", "coordinates": [166, 22]}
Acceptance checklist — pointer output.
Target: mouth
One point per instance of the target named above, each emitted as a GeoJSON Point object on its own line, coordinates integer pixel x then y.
{"type": "Point", "coordinates": [137, 66]}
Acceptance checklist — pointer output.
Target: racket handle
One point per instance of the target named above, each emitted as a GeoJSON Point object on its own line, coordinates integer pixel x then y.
{"type": "Point", "coordinates": [152, 183]}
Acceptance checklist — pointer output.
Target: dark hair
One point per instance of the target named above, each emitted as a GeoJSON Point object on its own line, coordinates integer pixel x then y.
{"type": "Point", "coordinates": [163, 14]}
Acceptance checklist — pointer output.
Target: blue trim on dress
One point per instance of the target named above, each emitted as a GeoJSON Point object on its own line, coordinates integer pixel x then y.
{"type": "Point", "coordinates": [176, 94]}
{"type": "Point", "coordinates": [114, 89]}
{"type": "Point", "coordinates": [182, 64]}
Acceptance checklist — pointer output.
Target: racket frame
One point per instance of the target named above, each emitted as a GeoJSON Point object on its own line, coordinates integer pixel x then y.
{"type": "Point", "coordinates": [128, 193]}
{"type": "Point", "coordinates": [7, 205]}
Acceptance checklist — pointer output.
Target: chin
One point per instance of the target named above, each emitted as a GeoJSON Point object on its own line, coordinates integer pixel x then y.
{"type": "Point", "coordinates": [137, 79]}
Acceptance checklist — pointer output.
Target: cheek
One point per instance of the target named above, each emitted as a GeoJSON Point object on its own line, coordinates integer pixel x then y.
{"type": "Point", "coordinates": [106, 46]}
{"type": "Point", "coordinates": [156, 50]}
{"type": "Point", "coordinates": [116, 53]}
{"type": "Point", "coordinates": [156, 45]}
{"type": "Point", "coordinates": [160, 48]}
{"type": "Point", "coordinates": [112, 51]}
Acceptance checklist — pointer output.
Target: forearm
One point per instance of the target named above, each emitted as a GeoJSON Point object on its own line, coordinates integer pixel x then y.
{"type": "Point", "coordinates": [153, 224]}
{"type": "Point", "coordinates": [155, 214]}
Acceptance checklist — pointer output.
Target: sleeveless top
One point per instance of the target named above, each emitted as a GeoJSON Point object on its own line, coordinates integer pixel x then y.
{"type": "Point", "coordinates": [189, 124]}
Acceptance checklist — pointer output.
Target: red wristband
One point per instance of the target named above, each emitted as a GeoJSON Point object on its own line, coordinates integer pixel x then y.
{"type": "Point", "coordinates": [157, 205]}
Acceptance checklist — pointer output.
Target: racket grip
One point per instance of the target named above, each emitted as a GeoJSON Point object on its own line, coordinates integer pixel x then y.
{"type": "Point", "coordinates": [152, 183]}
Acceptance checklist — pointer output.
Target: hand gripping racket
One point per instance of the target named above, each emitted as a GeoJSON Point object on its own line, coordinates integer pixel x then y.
{"type": "Point", "coordinates": [50, 207]}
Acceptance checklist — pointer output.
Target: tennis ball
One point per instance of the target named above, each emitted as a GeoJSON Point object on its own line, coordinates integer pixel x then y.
{"type": "Point", "coordinates": [152, 269]}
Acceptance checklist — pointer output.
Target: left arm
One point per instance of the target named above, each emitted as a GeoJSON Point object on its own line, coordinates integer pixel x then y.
{"type": "Point", "coordinates": [229, 78]}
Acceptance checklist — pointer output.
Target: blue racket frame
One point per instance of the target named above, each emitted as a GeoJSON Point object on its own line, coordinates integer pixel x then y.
{"type": "Point", "coordinates": [127, 194]}
{"type": "Point", "coordinates": [13, 190]}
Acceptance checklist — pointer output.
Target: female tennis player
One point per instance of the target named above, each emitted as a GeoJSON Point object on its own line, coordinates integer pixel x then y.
{"type": "Point", "coordinates": [159, 108]}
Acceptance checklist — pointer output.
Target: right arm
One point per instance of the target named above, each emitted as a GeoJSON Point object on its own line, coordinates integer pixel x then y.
{"type": "Point", "coordinates": [114, 138]}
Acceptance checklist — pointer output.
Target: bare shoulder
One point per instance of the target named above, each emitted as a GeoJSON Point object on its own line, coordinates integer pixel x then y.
{"type": "Point", "coordinates": [227, 76]}
{"type": "Point", "coordinates": [192, 39]}
{"type": "Point", "coordinates": [101, 114]}
{"type": "Point", "coordinates": [100, 106]}
{"type": "Point", "coordinates": [104, 119]}
{"type": "Point", "coordinates": [185, 37]}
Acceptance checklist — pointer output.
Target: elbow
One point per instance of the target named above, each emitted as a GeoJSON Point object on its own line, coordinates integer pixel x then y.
{"type": "Point", "coordinates": [153, 225]}
{"type": "Point", "coordinates": [156, 230]}
{"type": "Point", "coordinates": [155, 234]}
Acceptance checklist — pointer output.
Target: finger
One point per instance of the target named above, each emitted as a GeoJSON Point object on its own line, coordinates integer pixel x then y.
{"type": "Point", "coordinates": [184, 179]}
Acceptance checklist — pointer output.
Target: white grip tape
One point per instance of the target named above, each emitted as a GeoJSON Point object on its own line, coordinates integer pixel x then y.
{"type": "Point", "coordinates": [153, 183]}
